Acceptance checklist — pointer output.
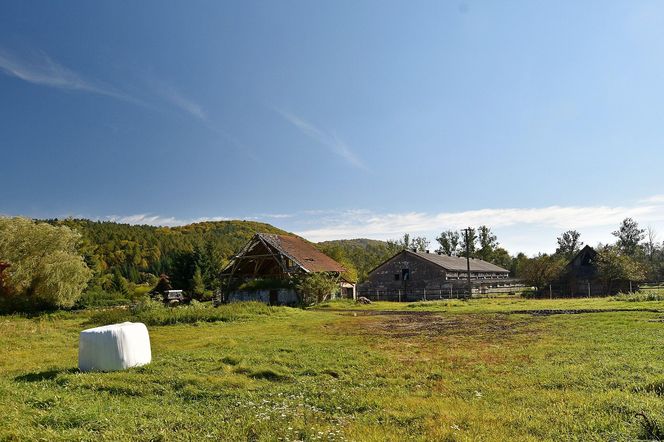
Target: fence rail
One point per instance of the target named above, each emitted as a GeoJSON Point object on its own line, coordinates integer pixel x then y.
{"type": "Point", "coordinates": [410, 295]}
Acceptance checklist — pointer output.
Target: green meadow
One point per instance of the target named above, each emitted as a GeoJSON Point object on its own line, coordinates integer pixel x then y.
{"type": "Point", "coordinates": [487, 369]}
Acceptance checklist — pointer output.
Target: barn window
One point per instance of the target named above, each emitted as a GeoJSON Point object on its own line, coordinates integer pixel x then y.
{"type": "Point", "coordinates": [405, 274]}
{"type": "Point", "coordinates": [396, 277]}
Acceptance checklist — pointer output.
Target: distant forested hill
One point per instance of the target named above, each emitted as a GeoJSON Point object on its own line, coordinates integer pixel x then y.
{"type": "Point", "coordinates": [140, 253]}
{"type": "Point", "coordinates": [364, 254]}
{"type": "Point", "coordinates": [125, 256]}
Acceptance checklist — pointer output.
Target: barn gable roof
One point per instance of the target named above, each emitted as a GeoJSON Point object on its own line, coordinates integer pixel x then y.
{"type": "Point", "coordinates": [458, 264]}
{"type": "Point", "coordinates": [302, 252]}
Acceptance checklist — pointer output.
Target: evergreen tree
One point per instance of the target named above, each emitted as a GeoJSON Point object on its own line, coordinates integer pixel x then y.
{"type": "Point", "coordinates": [119, 283]}
{"type": "Point", "coordinates": [197, 284]}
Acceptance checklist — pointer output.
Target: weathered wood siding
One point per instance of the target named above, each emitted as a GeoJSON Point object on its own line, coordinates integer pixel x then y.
{"type": "Point", "coordinates": [422, 274]}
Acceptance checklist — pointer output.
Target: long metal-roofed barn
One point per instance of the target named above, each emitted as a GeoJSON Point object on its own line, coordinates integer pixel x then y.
{"type": "Point", "coordinates": [264, 268]}
{"type": "Point", "coordinates": [409, 275]}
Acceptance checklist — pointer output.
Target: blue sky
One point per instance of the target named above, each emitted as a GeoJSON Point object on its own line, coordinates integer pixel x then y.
{"type": "Point", "coordinates": [337, 119]}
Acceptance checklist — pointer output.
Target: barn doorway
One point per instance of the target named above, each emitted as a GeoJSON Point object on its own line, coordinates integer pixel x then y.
{"type": "Point", "coordinates": [274, 297]}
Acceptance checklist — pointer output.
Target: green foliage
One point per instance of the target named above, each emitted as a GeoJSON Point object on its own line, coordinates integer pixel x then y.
{"type": "Point", "coordinates": [265, 283]}
{"type": "Point", "coordinates": [629, 236]}
{"type": "Point", "coordinates": [98, 297]}
{"type": "Point", "coordinates": [45, 267]}
{"type": "Point", "coordinates": [313, 288]}
{"type": "Point", "coordinates": [541, 270]}
{"type": "Point", "coordinates": [614, 265]}
{"type": "Point", "coordinates": [141, 253]}
{"type": "Point", "coordinates": [119, 284]}
{"type": "Point", "coordinates": [197, 284]}
{"type": "Point", "coordinates": [449, 242]}
{"type": "Point", "coordinates": [569, 244]}
{"type": "Point", "coordinates": [468, 243]}
{"type": "Point", "coordinates": [488, 243]}
{"type": "Point", "coordinates": [155, 313]}
{"type": "Point", "coordinates": [640, 296]}
{"type": "Point", "coordinates": [418, 243]}
{"type": "Point", "coordinates": [337, 252]}
{"type": "Point", "coordinates": [362, 254]}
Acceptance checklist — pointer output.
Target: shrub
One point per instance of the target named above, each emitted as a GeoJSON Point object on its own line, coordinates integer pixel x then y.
{"type": "Point", "coordinates": [638, 297]}
{"type": "Point", "coordinates": [46, 269]}
{"type": "Point", "coordinates": [98, 297]}
{"type": "Point", "coordinates": [265, 283]}
{"type": "Point", "coordinates": [154, 313]}
{"type": "Point", "coordinates": [315, 287]}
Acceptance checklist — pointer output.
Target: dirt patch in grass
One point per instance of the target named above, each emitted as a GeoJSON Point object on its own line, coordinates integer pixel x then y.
{"type": "Point", "coordinates": [534, 312]}
{"type": "Point", "coordinates": [428, 325]}
{"type": "Point", "coordinates": [548, 312]}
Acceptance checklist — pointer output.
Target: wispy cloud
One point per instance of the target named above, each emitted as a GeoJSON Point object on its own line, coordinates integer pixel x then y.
{"type": "Point", "coordinates": [176, 98]}
{"type": "Point", "coordinates": [158, 220]}
{"type": "Point", "coordinates": [40, 69]}
{"type": "Point", "coordinates": [541, 224]}
{"type": "Point", "coordinates": [655, 199]}
{"type": "Point", "coordinates": [330, 140]}
{"type": "Point", "coordinates": [530, 230]}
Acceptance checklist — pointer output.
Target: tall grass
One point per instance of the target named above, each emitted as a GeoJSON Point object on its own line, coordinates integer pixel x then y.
{"type": "Point", "coordinates": [154, 313]}
{"type": "Point", "coordinates": [641, 296]}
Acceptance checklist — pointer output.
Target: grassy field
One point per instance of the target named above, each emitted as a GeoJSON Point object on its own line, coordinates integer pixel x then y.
{"type": "Point", "coordinates": [490, 369]}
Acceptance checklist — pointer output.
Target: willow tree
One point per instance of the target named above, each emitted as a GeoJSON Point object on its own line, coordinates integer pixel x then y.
{"type": "Point", "coordinates": [45, 268]}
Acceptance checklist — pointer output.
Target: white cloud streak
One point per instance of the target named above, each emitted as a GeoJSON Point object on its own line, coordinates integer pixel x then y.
{"type": "Point", "coordinates": [158, 220]}
{"type": "Point", "coordinates": [177, 99]}
{"type": "Point", "coordinates": [42, 70]}
{"type": "Point", "coordinates": [330, 140]}
{"type": "Point", "coordinates": [530, 230]}
{"type": "Point", "coordinates": [541, 223]}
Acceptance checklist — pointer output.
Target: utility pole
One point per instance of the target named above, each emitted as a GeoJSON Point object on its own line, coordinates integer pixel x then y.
{"type": "Point", "coordinates": [466, 232]}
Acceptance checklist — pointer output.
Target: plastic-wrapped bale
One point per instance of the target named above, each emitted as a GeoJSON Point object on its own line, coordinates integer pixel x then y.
{"type": "Point", "coordinates": [114, 347]}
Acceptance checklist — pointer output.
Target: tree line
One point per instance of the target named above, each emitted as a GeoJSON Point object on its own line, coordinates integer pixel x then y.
{"type": "Point", "coordinates": [62, 263]}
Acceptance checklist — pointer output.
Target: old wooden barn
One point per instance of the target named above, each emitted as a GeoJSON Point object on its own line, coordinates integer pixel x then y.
{"type": "Point", "coordinates": [409, 275]}
{"type": "Point", "coordinates": [263, 270]}
{"type": "Point", "coordinates": [580, 277]}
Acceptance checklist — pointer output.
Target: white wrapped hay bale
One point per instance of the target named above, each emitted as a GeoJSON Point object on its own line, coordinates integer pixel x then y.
{"type": "Point", "coordinates": [114, 347]}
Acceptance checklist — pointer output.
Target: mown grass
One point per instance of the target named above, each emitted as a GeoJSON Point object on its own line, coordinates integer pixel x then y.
{"type": "Point", "coordinates": [424, 372]}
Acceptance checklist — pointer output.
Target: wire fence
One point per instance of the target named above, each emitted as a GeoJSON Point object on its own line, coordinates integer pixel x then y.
{"type": "Point", "coordinates": [424, 294]}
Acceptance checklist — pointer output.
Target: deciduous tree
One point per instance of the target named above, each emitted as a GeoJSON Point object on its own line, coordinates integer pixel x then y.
{"type": "Point", "coordinates": [449, 242]}
{"type": "Point", "coordinates": [488, 242]}
{"type": "Point", "coordinates": [629, 236]}
{"type": "Point", "coordinates": [569, 244]}
{"type": "Point", "coordinates": [315, 288]}
{"type": "Point", "coordinates": [46, 269]}
{"type": "Point", "coordinates": [541, 270]}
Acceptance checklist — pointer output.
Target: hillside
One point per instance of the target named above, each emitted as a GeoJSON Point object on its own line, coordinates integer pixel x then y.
{"type": "Point", "coordinates": [139, 253]}
{"type": "Point", "coordinates": [364, 254]}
